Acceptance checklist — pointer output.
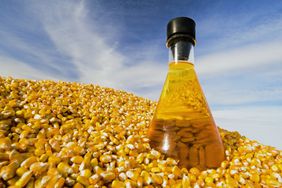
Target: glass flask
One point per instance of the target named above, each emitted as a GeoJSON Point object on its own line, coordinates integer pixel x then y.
{"type": "Point", "coordinates": [182, 126]}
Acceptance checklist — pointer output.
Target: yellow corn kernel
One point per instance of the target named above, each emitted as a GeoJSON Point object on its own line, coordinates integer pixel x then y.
{"type": "Point", "coordinates": [77, 159]}
{"type": "Point", "coordinates": [195, 171]}
{"type": "Point", "coordinates": [78, 185]}
{"type": "Point", "coordinates": [39, 152]}
{"type": "Point", "coordinates": [171, 182]}
{"type": "Point", "coordinates": [178, 184]}
{"type": "Point", "coordinates": [155, 169]}
{"type": "Point", "coordinates": [98, 170]}
{"type": "Point", "coordinates": [255, 177]}
{"type": "Point", "coordinates": [30, 183]}
{"type": "Point", "coordinates": [53, 181]}
{"type": "Point", "coordinates": [94, 162]}
{"type": "Point", "coordinates": [86, 173]}
{"type": "Point", "coordinates": [60, 183]}
{"type": "Point", "coordinates": [156, 179]}
{"type": "Point", "coordinates": [192, 178]}
{"type": "Point", "coordinates": [133, 175]}
{"type": "Point", "coordinates": [108, 176]}
{"type": "Point", "coordinates": [24, 179]}
{"type": "Point", "coordinates": [274, 168]}
{"type": "Point", "coordinates": [53, 160]}
{"type": "Point", "coordinates": [38, 168]}
{"type": "Point", "coordinates": [139, 181]}
{"type": "Point", "coordinates": [130, 183]}
{"type": "Point", "coordinates": [19, 157]}
{"type": "Point", "coordinates": [9, 171]}
{"type": "Point", "coordinates": [185, 182]}
{"type": "Point", "coordinates": [146, 177]}
{"type": "Point", "coordinates": [43, 158]}
{"type": "Point", "coordinates": [13, 180]}
{"type": "Point", "coordinates": [184, 171]}
{"type": "Point", "coordinates": [86, 161]}
{"type": "Point", "coordinates": [53, 172]}
{"type": "Point", "coordinates": [64, 168]}
{"type": "Point", "coordinates": [41, 181]}
{"type": "Point", "coordinates": [209, 180]}
{"type": "Point", "coordinates": [118, 184]}
{"type": "Point", "coordinates": [105, 158]}
{"type": "Point", "coordinates": [94, 179]}
{"type": "Point", "coordinates": [5, 144]}
{"type": "Point", "coordinates": [69, 182]}
{"type": "Point", "coordinates": [28, 162]}
{"type": "Point", "coordinates": [3, 163]}
{"type": "Point", "coordinates": [20, 171]}
{"type": "Point", "coordinates": [176, 171]}
{"type": "Point", "coordinates": [75, 168]}
{"type": "Point", "coordinates": [231, 182]}
{"type": "Point", "coordinates": [83, 180]}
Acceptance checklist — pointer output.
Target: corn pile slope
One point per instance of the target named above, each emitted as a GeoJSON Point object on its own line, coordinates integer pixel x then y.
{"type": "Point", "coordinates": [60, 134]}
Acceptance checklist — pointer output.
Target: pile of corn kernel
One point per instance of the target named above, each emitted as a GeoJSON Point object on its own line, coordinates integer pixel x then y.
{"type": "Point", "coordinates": [60, 134]}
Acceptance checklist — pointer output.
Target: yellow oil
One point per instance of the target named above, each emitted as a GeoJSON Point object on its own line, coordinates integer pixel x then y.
{"type": "Point", "coordinates": [182, 126]}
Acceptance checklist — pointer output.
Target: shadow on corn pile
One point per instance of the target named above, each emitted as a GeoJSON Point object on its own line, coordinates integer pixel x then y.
{"type": "Point", "coordinates": [60, 134]}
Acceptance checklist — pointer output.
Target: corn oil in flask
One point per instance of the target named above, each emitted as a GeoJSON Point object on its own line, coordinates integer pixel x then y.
{"type": "Point", "coordinates": [182, 126]}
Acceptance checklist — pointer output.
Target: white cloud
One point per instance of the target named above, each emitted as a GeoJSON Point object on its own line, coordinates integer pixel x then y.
{"type": "Point", "coordinates": [18, 69]}
{"type": "Point", "coordinates": [30, 54]}
{"type": "Point", "coordinates": [85, 44]}
{"type": "Point", "coordinates": [245, 57]}
{"type": "Point", "coordinates": [230, 96]}
{"type": "Point", "coordinates": [97, 60]}
{"type": "Point", "coordinates": [258, 123]}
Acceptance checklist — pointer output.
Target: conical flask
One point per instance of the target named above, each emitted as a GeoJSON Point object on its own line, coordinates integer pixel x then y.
{"type": "Point", "coordinates": [182, 126]}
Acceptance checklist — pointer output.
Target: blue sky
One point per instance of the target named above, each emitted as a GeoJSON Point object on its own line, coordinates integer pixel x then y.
{"type": "Point", "coordinates": [121, 44]}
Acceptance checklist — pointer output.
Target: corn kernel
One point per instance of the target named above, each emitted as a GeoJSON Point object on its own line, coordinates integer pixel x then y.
{"type": "Point", "coordinates": [38, 168]}
{"type": "Point", "coordinates": [9, 171]}
{"type": "Point", "coordinates": [83, 180]}
{"type": "Point", "coordinates": [185, 182]}
{"type": "Point", "coordinates": [78, 185]}
{"type": "Point", "coordinates": [118, 184]}
{"type": "Point", "coordinates": [94, 179]}
{"type": "Point", "coordinates": [156, 179]}
{"type": "Point", "coordinates": [77, 159]}
{"type": "Point", "coordinates": [64, 168]}
{"type": "Point", "coordinates": [176, 171]}
{"type": "Point", "coordinates": [86, 173]}
{"type": "Point", "coordinates": [60, 183]}
{"type": "Point", "coordinates": [94, 162]}
{"type": "Point", "coordinates": [105, 158]}
{"type": "Point", "coordinates": [108, 176]}
{"type": "Point", "coordinates": [255, 177]}
{"type": "Point", "coordinates": [195, 171]}
{"type": "Point", "coordinates": [274, 168]}
{"type": "Point", "coordinates": [209, 180]}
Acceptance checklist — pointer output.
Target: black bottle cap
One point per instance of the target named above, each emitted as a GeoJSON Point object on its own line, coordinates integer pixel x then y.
{"type": "Point", "coordinates": [181, 28]}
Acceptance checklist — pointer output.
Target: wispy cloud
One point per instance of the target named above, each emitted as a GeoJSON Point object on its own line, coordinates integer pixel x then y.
{"type": "Point", "coordinates": [242, 67]}
{"type": "Point", "coordinates": [29, 53]}
{"type": "Point", "coordinates": [18, 69]}
{"type": "Point", "coordinates": [96, 59]}
{"type": "Point", "coordinates": [83, 45]}
{"type": "Point", "coordinates": [245, 57]}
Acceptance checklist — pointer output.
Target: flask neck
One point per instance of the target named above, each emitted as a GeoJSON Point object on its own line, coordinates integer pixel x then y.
{"type": "Point", "coordinates": [181, 51]}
